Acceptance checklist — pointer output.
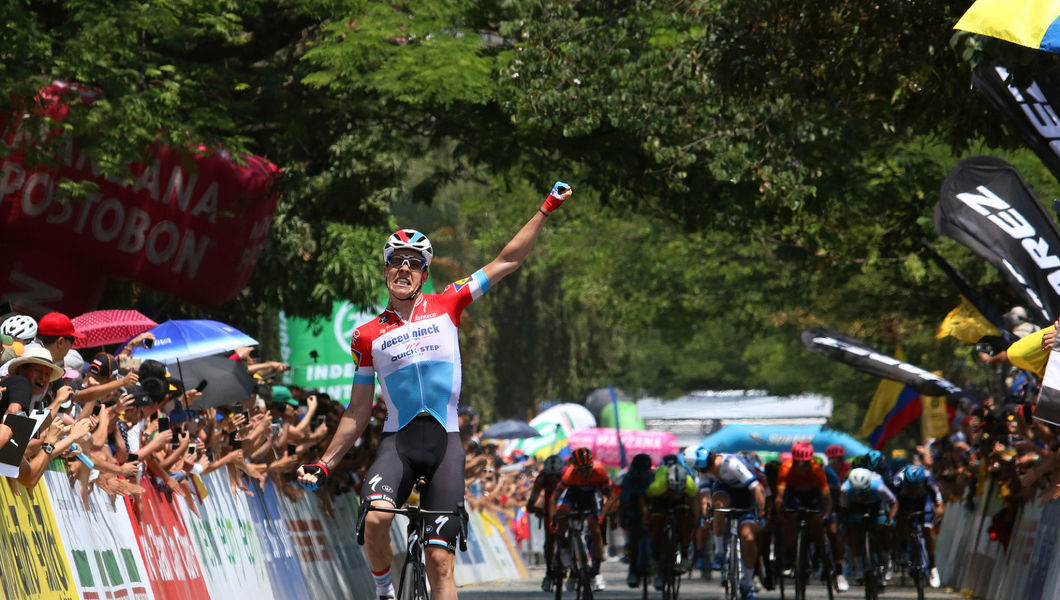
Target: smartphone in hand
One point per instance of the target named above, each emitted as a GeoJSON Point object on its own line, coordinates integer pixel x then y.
{"type": "Point", "coordinates": [163, 423]}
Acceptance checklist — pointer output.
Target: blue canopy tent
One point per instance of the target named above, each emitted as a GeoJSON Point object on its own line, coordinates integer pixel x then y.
{"type": "Point", "coordinates": [779, 438]}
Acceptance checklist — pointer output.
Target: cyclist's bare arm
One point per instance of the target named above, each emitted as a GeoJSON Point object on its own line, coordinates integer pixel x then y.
{"type": "Point", "coordinates": [516, 251]}
{"type": "Point", "coordinates": [760, 497]}
{"type": "Point", "coordinates": [350, 428]}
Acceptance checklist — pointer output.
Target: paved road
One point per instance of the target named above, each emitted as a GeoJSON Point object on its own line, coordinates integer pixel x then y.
{"type": "Point", "coordinates": [691, 589]}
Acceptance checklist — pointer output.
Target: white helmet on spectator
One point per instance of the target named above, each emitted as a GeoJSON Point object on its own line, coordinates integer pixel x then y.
{"type": "Point", "coordinates": [21, 327]}
{"type": "Point", "coordinates": [860, 479]}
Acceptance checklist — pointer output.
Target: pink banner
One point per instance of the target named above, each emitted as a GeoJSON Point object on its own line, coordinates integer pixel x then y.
{"type": "Point", "coordinates": [604, 444]}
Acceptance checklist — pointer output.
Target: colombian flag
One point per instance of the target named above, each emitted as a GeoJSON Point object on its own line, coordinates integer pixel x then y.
{"type": "Point", "coordinates": [1030, 23]}
{"type": "Point", "coordinates": [906, 410]}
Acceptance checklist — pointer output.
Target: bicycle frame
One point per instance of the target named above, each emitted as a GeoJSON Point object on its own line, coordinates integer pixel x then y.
{"type": "Point", "coordinates": [802, 557]}
{"type": "Point", "coordinates": [917, 551]}
{"type": "Point", "coordinates": [733, 569]}
{"type": "Point", "coordinates": [575, 543]}
{"type": "Point", "coordinates": [412, 583]}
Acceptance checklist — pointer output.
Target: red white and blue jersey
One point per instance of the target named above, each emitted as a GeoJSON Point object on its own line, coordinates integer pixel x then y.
{"type": "Point", "coordinates": [418, 361]}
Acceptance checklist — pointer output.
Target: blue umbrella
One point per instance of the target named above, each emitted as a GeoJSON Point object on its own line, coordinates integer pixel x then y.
{"type": "Point", "coordinates": [192, 338]}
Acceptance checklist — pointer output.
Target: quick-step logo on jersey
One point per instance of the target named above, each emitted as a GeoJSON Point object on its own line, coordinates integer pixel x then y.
{"type": "Point", "coordinates": [418, 361]}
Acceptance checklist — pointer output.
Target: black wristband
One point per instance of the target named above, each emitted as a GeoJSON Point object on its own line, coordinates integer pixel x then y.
{"type": "Point", "coordinates": [543, 212]}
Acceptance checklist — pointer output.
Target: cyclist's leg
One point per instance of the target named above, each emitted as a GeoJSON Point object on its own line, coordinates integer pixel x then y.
{"type": "Point", "coordinates": [445, 491]}
{"type": "Point", "coordinates": [720, 499]}
{"type": "Point", "coordinates": [748, 548]}
{"type": "Point", "coordinates": [388, 483]}
{"type": "Point", "coordinates": [686, 523]}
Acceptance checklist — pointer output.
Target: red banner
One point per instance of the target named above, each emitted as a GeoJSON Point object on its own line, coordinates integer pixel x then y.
{"type": "Point", "coordinates": [193, 227]}
{"type": "Point", "coordinates": [169, 554]}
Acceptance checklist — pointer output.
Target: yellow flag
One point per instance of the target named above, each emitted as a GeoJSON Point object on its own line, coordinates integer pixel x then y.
{"type": "Point", "coordinates": [934, 421]}
{"type": "Point", "coordinates": [883, 400]}
{"type": "Point", "coordinates": [966, 323]}
{"type": "Point", "coordinates": [1030, 23]}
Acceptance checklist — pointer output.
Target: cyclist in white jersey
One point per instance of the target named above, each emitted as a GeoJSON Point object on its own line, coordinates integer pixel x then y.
{"type": "Point", "coordinates": [413, 348]}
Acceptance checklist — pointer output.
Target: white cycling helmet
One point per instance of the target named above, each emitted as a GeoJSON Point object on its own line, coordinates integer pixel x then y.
{"type": "Point", "coordinates": [21, 327]}
{"type": "Point", "coordinates": [408, 239]}
{"type": "Point", "coordinates": [554, 465]}
{"type": "Point", "coordinates": [676, 478]}
{"type": "Point", "coordinates": [860, 479]}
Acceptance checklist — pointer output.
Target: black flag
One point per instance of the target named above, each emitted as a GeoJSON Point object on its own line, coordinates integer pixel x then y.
{"type": "Point", "coordinates": [857, 354]}
{"type": "Point", "coordinates": [987, 206]}
{"type": "Point", "coordinates": [1029, 110]}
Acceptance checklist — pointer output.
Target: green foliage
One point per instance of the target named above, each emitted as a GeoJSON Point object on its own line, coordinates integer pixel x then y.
{"type": "Point", "coordinates": [742, 170]}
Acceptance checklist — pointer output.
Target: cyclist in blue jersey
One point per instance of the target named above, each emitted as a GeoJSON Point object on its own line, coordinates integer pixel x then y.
{"type": "Point", "coordinates": [867, 503]}
{"type": "Point", "coordinates": [917, 491]}
{"type": "Point", "coordinates": [412, 347]}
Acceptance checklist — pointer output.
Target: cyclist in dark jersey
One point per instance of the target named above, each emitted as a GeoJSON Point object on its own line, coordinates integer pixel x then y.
{"type": "Point", "coordinates": [544, 487]}
{"type": "Point", "coordinates": [413, 348]}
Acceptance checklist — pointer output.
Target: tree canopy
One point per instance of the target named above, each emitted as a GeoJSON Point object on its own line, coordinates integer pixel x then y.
{"type": "Point", "coordinates": [741, 169]}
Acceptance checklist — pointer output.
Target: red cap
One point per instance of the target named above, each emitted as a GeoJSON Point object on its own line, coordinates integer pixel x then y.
{"type": "Point", "coordinates": [55, 323]}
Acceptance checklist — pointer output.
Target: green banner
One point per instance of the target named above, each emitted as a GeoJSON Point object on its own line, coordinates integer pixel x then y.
{"type": "Point", "coordinates": [319, 351]}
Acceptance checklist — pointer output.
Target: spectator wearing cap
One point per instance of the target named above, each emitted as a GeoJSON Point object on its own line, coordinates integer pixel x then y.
{"type": "Point", "coordinates": [56, 332]}
{"type": "Point", "coordinates": [103, 378]}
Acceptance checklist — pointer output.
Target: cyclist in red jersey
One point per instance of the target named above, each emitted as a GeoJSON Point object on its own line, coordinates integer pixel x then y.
{"type": "Point", "coordinates": [801, 482]}
{"type": "Point", "coordinates": [413, 349]}
{"type": "Point", "coordinates": [583, 483]}
{"type": "Point", "coordinates": [837, 455]}
{"type": "Point", "coordinates": [544, 487]}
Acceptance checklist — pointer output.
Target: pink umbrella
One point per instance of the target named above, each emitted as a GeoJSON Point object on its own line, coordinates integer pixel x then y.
{"type": "Point", "coordinates": [104, 327]}
{"type": "Point", "coordinates": [602, 441]}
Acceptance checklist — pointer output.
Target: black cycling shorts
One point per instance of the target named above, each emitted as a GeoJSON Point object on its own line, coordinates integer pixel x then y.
{"type": "Point", "coordinates": [423, 448]}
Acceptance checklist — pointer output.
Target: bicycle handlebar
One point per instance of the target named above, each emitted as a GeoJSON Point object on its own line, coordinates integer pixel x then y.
{"type": "Point", "coordinates": [414, 513]}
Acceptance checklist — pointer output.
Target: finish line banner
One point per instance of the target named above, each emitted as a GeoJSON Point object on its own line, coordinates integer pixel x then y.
{"type": "Point", "coordinates": [986, 205]}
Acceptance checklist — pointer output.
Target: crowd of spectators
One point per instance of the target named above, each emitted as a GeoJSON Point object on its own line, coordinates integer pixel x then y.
{"type": "Point", "coordinates": [117, 421]}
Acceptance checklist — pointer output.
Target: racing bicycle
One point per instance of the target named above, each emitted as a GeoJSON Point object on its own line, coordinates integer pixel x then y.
{"type": "Point", "coordinates": [412, 585]}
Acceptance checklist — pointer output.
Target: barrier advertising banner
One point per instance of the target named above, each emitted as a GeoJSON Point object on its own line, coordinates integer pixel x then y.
{"type": "Point", "coordinates": [169, 554]}
{"type": "Point", "coordinates": [32, 560]}
{"type": "Point", "coordinates": [228, 549]}
{"type": "Point", "coordinates": [281, 562]}
{"type": "Point", "coordinates": [99, 542]}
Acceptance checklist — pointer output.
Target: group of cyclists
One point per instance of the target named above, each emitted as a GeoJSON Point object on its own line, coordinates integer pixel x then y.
{"type": "Point", "coordinates": [412, 348]}
{"type": "Point", "coordinates": [840, 500]}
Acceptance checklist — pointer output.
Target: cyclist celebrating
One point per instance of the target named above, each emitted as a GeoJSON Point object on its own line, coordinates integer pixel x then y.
{"type": "Point", "coordinates": [802, 483]}
{"type": "Point", "coordinates": [672, 491]}
{"type": "Point", "coordinates": [734, 485]}
{"type": "Point", "coordinates": [917, 491]}
{"type": "Point", "coordinates": [546, 481]}
{"type": "Point", "coordinates": [629, 494]}
{"type": "Point", "coordinates": [864, 497]}
{"type": "Point", "coordinates": [414, 349]}
{"type": "Point", "coordinates": [582, 485]}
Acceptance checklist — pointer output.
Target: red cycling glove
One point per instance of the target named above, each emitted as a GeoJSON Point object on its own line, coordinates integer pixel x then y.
{"type": "Point", "coordinates": [555, 199]}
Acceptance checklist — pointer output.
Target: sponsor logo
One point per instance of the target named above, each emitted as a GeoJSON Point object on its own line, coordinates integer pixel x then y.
{"type": "Point", "coordinates": [356, 359]}
{"type": "Point", "coordinates": [383, 319]}
{"type": "Point", "coordinates": [460, 283]}
{"type": "Point", "coordinates": [414, 352]}
{"type": "Point", "coordinates": [414, 334]}
{"type": "Point", "coordinates": [374, 481]}
{"type": "Point", "coordinates": [440, 522]}
{"type": "Point", "coordinates": [388, 489]}
{"type": "Point", "coordinates": [1035, 106]}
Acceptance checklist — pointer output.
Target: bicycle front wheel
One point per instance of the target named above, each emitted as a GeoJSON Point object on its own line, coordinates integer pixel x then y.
{"type": "Point", "coordinates": [920, 566]}
{"type": "Point", "coordinates": [871, 581]}
{"type": "Point", "coordinates": [734, 566]}
{"type": "Point", "coordinates": [802, 565]}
